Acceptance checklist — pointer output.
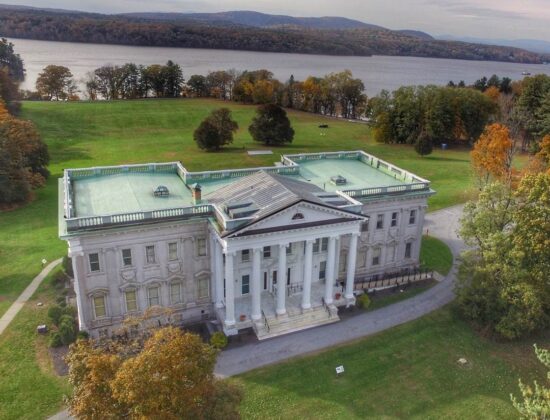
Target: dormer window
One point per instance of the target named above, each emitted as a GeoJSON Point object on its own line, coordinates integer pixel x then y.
{"type": "Point", "coordinates": [298, 216]}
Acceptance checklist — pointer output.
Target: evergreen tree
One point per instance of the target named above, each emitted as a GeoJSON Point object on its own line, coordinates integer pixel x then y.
{"type": "Point", "coordinates": [216, 130]}
{"type": "Point", "coordinates": [423, 145]}
{"type": "Point", "coordinates": [271, 126]}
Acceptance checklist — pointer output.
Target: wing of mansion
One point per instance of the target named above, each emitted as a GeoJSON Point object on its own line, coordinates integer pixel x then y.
{"type": "Point", "coordinates": [276, 249]}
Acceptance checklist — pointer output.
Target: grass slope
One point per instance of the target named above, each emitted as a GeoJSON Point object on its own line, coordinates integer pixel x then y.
{"type": "Point", "coordinates": [435, 255]}
{"type": "Point", "coordinates": [410, 371]}
{"type": "Point", "coordinates": [29, 387]}
{"type": "Point", "coordinates": [109, 133]}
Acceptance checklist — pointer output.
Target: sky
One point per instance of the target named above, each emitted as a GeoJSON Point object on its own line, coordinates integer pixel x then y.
{"type": "Point", "coordinates": [504, 19]}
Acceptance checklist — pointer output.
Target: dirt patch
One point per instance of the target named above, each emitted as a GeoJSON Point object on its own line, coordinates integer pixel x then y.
{"type": "Point", "coordinates": [57, 354]}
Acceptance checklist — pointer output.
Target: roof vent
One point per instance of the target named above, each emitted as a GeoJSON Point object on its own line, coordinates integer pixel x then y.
{"type": "Point", "coordinates": [338, 180]}
{"type": "Point", "coordinates": [161, 191]}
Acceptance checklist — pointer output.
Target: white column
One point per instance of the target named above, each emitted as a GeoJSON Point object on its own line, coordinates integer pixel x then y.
{"type": "Point", "coordinates": [329, 276]}
{"type": "Point", "coordinates": [256, 284]}
{"type": "Point", "coordinates": [229, 290]}
{"type": "Point", "coordinates": [352, 257]}
{"type": "Point", "coordinates": [308, 267]}
{"type": "Point", "coordinates": [218, 273]}
{"type": "Point", "coordinates": [281, 280]}
{"type": "Point", "coordinates": [79, 275]}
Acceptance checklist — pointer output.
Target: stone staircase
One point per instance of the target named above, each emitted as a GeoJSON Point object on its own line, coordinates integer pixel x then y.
{"type": "Point", "coordinates": [296, 320]}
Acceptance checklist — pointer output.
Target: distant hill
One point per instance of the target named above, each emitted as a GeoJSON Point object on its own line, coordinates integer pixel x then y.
{"type": "Point", "coordinates": [249, 31]}
{"type": "Point", "coordinates": [535, 45]}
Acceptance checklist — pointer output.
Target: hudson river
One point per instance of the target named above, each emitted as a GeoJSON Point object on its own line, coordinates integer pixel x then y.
{"type": "Point", "coordinates": [377, 72]}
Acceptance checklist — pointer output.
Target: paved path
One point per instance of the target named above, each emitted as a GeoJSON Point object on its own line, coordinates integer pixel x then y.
{"type": "Point", "coordinates": [441, 224]}
{"type": "Point", "coordinates": [26, 295]}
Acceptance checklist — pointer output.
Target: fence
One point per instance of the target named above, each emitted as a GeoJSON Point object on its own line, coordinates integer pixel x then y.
{"type": "Point", "coordinates": [393, 279]}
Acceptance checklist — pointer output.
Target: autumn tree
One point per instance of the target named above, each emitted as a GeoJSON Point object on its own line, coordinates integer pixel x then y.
{"type": "Point", "coordinates": [271, 126]}
{"type": "Point", "coordinates": [492, 154]}
{"type": "Point", "coordinates": [169, 375]}
{"type": "Point", "coordinates": [536, 398]}
{"type": "Point", "coordinates": [216, 130]}
{"type": "Point", "coordinates": [55, 82]}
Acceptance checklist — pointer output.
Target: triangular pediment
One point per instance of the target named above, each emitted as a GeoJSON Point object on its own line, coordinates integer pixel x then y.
{"type": "Point", "coordinates": [298, 216]}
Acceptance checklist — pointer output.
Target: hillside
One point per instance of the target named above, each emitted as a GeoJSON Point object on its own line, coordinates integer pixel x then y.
{"type": "Point", "coordinates": [73, 26]}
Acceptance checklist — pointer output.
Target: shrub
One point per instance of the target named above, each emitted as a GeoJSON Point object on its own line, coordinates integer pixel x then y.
{"type": "Point", "coordinates": [82, 335]}
{"type": "Point", "coordinates": [55, 340]}
{"type": "Point", "coordinates": [68, 266]}
{"type": "Point", "coordinates": [218, 340]}
{"type": "Point", "coordinates": [59, 280]}
{"type": "Point", "coordinates": [363, 301]}
{"type": "Point", "coordinates": [67, 330]}
{"type": "Point", "coordinates": [57, 312]}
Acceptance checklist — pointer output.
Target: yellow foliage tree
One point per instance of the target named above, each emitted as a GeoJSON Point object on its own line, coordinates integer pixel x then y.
{"type": "Point", "coordinates": [492, 154]}
{"type": "Point", "coordinates": [493, 93]}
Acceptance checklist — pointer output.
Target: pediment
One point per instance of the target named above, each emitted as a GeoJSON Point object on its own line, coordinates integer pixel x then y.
{"type": "Point", "coordinates": [301, 214]}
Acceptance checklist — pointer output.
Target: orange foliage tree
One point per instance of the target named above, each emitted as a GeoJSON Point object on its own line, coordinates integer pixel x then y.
{"type": "Point", "coordinates": [492, 154]}
{"type": "Point", "coordinates": [169, 376]}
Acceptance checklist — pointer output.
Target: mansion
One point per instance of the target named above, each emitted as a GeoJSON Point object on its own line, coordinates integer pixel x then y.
{"type": "Point", "coordinates": [277, 249]}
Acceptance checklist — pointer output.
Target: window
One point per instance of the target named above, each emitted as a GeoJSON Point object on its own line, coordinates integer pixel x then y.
{"type": "Point", "coordinates": [201, 247]}
{"type": "Point", "coordinates": [265, 280]}
{"type": "Point", "coordinates": [127, 257]}
{"type": "Point", "coordinates": [245, 285]}
{"type": "Point", "coordinates": [379, 221]}
{"type": "Point", "coordinates": [289, 249]}
{"type": "Point", "coordinates": [365, 226]}
{"type": "Point", "coordinates": [343, 261]}
{"type": "Point", "coordinates": [245, 255]}
{"type": "Point", "coordinates": [175, 293]}
{"type": "Point", "coordinates": [322, 270]}
{"type": "Point", "coordinates": [408, 249]}
{"type": "Point", "coordinates": [376, 256]}
{"type": "Point", "coordinates": [150, 254]}
{"type": "Point", "coordinates": [394, 219]}
{"type": "Point", "coordinates": [94, 261]}
{"type": "Point", "coordinates": [412, 217]}
{"type": "Point", "coordinates": [100, 309]}
{"type": "Point", "coordinates": [267, 252]}
{"type": "Point", "coordinates": [172, 251]}
{"type": "Point", "coordinates": [324, 244]}
{"type": "Point", "coordinates": [131, 300]}
{"type": "Point", "coordinates": [202, 288]}
{"type": "Point", "coordinates": [315, 245]}
{"type": "Point", "coordinates": [153, 295]}
{"type": "Point", "coordinates": [391, 253]}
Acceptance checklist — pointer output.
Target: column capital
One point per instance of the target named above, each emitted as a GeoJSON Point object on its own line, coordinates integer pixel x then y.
{"type": "Point", "coordinates": [257, 250]}
{"type": "Point", "coordinates": [284, 245]}
{"type": "Point", "coordinates": [229, 253]}
{"type": "Point", "coordinates": [310, 241]}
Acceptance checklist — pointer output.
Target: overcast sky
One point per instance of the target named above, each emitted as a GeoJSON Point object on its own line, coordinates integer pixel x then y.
{"type": "Point", "coordinates": [505, 19]}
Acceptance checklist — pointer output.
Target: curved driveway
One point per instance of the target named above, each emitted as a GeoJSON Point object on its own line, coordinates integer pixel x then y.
{"type": "Point", "coordinates": [442, 224]}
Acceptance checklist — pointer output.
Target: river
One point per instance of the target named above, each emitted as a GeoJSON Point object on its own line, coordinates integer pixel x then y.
{"type": "Point", "coordinates": [377, 72]}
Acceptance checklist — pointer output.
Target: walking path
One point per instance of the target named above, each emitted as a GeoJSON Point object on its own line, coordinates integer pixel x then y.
{"type": "Point", "coordinates": [441, 224]}
{"type": "Point", "coordinates": [26, 295]}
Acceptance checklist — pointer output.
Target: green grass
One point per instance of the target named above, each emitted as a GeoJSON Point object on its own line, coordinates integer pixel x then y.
{"type": "Point", "coordinates": [410, 371]}
{"type": "Point", "coordinates": [29, 388]}
{"type": "Point", "coordinates": [108, 133]}
{"type": "Point", "coordinates": [378, 302]}
{"type": "Point", "coordinates": [435, 255]}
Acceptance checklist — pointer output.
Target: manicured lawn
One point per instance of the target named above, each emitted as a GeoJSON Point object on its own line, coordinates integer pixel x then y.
{"type": "Point", "coordinates": [410, 371]}
{"type": "Point", "coordinates": [109, 133]}
{"type": "Point", "coordinates": [380, 301]}
{"type": "Point", "coordinates": [435, 255]}
{"type": "Point", "coordinates": [29, 387]}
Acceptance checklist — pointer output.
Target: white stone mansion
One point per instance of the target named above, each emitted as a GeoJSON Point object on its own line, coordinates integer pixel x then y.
{"type": "Point", "coordinates": [277, 248]}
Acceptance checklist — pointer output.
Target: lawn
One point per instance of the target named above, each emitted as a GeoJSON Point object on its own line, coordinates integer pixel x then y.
{"type": "Point", "coordinates": [29, 387]}
{"type": "Point", "coordinates": [87, 134]}
{"type": "Point", "coordinates": [435, 255]}
{"type": "Point", "coordinates": [410, 371]}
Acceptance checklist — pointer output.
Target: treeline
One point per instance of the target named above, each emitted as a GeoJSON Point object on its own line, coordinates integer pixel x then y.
{"type": "Point", "coordinates": [23, 154]}
{"type": "Point", "coordinates": [116, 29]}
{"type": "Point", "coordinates": [458, 113]}
{"type": "Point", "coordinates": [336, 94]}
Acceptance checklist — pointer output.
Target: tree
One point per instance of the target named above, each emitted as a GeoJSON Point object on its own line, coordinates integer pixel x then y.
{"type": "Point", "coordinates": [55, 82]}
{"type": "Point", "coordinates": [216, 130]}
{"type": "Point", "coordinates": [173, 79]}
{"type": "Point", "coordinates": [492, 154]}
{"type": "Point", "coordinates": [536, 399]}
{"type": "Point", "coordinates": [198, 85]}
{"type": "Point", "coordinates": [503, 276]}
{"type": "Point", "coordinates": [9, 92]}
{"type": "Point", "coordinates": [11, 61]}
{"type": "Point", "coordinates": [169, 374]}
{"type": "Point", "coordinates": [423, 145]}
{"type": "Point", "coordinates": [271, 126]}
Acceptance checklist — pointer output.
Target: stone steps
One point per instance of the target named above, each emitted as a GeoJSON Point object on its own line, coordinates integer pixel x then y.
{"type": "Point", "coordinates": [295, 322]}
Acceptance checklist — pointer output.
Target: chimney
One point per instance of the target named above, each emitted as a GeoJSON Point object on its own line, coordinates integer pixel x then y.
{"type": "Point", "coordinates": [196, 193]}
